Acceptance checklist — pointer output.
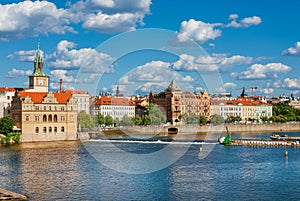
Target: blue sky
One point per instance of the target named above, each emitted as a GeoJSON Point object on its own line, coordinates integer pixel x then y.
{"type": "Point", "coordinates": [249, 43]}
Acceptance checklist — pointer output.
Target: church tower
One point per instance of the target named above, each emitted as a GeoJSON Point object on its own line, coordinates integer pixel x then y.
{"type": "Point", "coordinates": [38, 80]}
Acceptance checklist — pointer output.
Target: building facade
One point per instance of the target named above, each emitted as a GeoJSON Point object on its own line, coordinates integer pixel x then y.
{"type": "Point", "coordinates": [42, 115]}
{"type": "Point", "coordinates": [115, 107]}
{"type": "Point", "coordinates": [177, 104]}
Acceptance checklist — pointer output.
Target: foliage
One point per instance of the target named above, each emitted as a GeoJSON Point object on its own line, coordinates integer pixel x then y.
{"type": "Point", "coordinates": [146, 120]}
{"type": "Point", "coordinates": [137, 120]}
{"type": "Point", "coordinates": [85, 120]}
{"type": "Point", "coordinates": [109, 120]}
{"type": "Point", "coordinates": [202, 120]}
{"type": "Point", "coordinates": [232, 119]}
{"type": "Point", "coordinates": [155, 114]}
{"type": "Point", "coordinates": [11, 137]}
{"type": "Point", "coordinates": [284, 113]}
{"type": "Point", "coordinates": [216, 119]}
{"type": "Point", "coordinates": [126, 120]}
{"type": "Point", "coordinates": [100, 119]}
{"type": "Point", "coordinates": [6, 125]}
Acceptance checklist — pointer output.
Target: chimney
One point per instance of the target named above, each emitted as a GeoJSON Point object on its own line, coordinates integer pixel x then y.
{"type": "Point", "coordinates": [60, 85]}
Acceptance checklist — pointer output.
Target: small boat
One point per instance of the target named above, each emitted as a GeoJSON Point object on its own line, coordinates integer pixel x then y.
{"type": "Point", "coordinates": [275, 136]}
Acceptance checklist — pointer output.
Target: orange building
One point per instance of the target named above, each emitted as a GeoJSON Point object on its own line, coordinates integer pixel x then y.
{"type": "Point", "coordinates": [175, 103]}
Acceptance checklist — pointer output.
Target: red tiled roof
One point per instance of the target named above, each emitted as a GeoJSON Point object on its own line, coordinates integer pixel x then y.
{"type": "Point", "coordinates": [8, 89]}
{"type": "Point", "coordinates": [37, 97]}
{"type": "Point", "coordinates": [104, 100]}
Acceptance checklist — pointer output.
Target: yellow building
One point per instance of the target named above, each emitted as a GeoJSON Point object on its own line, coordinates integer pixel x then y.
{"type": "Point", "coordinates": [43, 115]}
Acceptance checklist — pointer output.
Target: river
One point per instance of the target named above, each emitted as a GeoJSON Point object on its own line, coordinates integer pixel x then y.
{"type": "Point", "coordinates": [122, 170]}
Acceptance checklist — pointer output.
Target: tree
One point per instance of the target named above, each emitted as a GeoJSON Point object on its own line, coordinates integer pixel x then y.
{"type": "Point", "coordinates": [216, 119]}
{"type": "Point", "coordinates": [109, 120]}
{"type": "Point", "coordinates": [232, 119]}
{"type": "Point", "coordinates": [100, 119]}
{"type": "Point", "coordinates": [136, 120]}
{"type": "Point", "coordinates": [126, 120]}
{"type": "Point", "coordinates": [155, 114]}
{"type": "Point", "coordinates": [146, 120]}
{"type": "Point", "coordinates": [6, 125]}
{"type": "Point", "coordinates": [85, 120]}
{"type": "Point", "coordinates": [202, 120]}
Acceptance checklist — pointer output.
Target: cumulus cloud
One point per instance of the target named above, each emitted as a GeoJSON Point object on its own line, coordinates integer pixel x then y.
{"type": "Point", "coordinates": [291, 83]}
{"type": "Point", "coordinates": [32, 18]}
{"type": "Point", "coordinates": [56, 75]}
{"type": "Point", "coordinates": [29, 18]}
{"type": "Point", "coordinates": [244, 23]}
{"type": "Point", "coordinates": [88, 59]}
{"type": "Point", "coordinates": [211, 62]}
{"type": "Point", "coordinates": [14, 73]}
{"type": "Point", "coordinates": [24, 55]}
{"type": "Point", "coordinates": [292, 51]}
{"type": "Point", "coordinates": [198, 31]}
{"type": "Point", "coordinates": [188, 78]}
{"type": "Point", "coordinates": [260, 71]}
{"type": "Point", "coordinates": [267, 91]}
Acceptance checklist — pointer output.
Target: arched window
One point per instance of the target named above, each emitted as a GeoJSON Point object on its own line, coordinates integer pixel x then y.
{"type": "Point", "coordinates": [44, 117]}
{"type": "Point", "coordinates": [37, 129]}
{"type": "Point", "coordinates": [55, 118]}
{"type": "Point", "coordinates": [62, 129]}
{"type": "Point", "coordinates": [55, 129]}
{"type": "Point", "coordinates": [50, 117]}
{"type": "Point", "coordinates": [50, 129]}
{"type": "Point", "coordinates": [45, 130]}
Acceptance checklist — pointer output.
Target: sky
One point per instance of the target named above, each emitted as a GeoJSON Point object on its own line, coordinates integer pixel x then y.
{"type": "Point", "coordinates": [142, 45]}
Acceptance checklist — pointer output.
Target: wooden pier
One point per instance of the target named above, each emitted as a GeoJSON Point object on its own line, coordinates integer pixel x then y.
{"type": "Point", "coordinates": [8, 195]}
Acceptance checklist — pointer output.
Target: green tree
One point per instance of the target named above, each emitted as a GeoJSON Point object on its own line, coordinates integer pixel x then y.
{"type": "Point", "coordinates": [155, 114]}
{"type": "Point", "coordinates": [85, 120]}
{"type": "Point", "coordinates": [202, 120]}
{"type": "Point", "coordinates": [100, 119]}
{"type": "Point", "coordinates": [137, 120]}
{"type": "Point", "coordinates": [216, 119]}
{"type": "Point", "coordinates": [6, 125]}
{"type": "Point", "coordinates": [146, 120]}
{"type": "Point", "coordinates": [109, 120]}
{"type": "Point", "coordinates": [126, 120]}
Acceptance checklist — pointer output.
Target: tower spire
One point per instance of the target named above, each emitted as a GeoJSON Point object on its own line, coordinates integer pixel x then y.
{"type": "Point", "coordinates": [38, 62]}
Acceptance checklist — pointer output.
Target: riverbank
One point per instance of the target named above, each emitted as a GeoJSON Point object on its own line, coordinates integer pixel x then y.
{"type": "Point", "coordinates": [206, 132]}
{"type": "Point", "coordinates": [8, 195]}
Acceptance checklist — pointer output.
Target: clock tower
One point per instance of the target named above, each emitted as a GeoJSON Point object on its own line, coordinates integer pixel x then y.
{"type": "Point", "coordinates": [38, 80]}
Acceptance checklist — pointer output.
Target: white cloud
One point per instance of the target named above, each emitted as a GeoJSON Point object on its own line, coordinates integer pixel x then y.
{"type": "Point", "coordinates": [56, 75]}
{"type": "Point", "coordinates": [244, 23]}
{"type": "Point", "coordinates": [88, 59]}
{"type": "Point", "coordinates": [29, 18]}
{"type": "Point", "coordinates": [24, 55]}
{"type": "Point", "coordinates": [198, 31]}
{"type": "Point", "coordinates": [188, 78]}
{"type": "Point", "coordinates": [118, 22]}
{"type": "Point", "coordinates": [33, 18]}
{"type": "Point", "coordinates": [212, 62]}
{"type": "Point", "coordinates": [292, 51]}
{"type": "Point", "coordinates": [291, 83]}
{"type": "Point", "coordinates": [14, 73]}
{"type": "Point", "coordinates": [259, 71]}
{"type": "Point", "coordinates": [229, 85]}
{"type": "Point", "coordinates": [267, 91]}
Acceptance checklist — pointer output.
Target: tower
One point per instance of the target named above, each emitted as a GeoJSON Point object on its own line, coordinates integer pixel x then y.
{"type": "Point", "coordinates": [38, 80]}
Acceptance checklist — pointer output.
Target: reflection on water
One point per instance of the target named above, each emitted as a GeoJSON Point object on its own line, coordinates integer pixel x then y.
{"type": "Point", "coordinates": [66, 171]}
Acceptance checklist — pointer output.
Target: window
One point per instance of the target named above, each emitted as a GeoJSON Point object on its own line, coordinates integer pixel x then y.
{"type": "Point", "coordinates": [49, 107]}
{"type": "Point", "coordinates": [37, 108]}
{"type": "Point", "coordinates": [62, 118]}
{"type": "Point", "coordinates": [27, 118]}
{"type": "Point", "coordinates": [37, 118]}
{"type": "Point", "coordinates": [55, 129]}
{"type": "Point", "coordinates": [50, 117]}
{"type": "Point", "coordinates": [62, 129]}
{"type": "Point", "coordinates": [37, 129]}
{"type": "Point", "coordinates": [45, 108]}
{"type": "Point", "coordinates": [45, 130]}
{"type": "Point", "coordinates": [50, 129]}
{"type": "Point", "coordinates": [55, 118]}
{"type": "Point", "coordinates": [44, 117]}
{"type": "Point", "coordinates": [62, 108]}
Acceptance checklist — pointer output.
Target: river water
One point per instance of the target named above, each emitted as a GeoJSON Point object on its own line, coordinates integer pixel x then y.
{"type": "Point", "coordinates": [76, 171]}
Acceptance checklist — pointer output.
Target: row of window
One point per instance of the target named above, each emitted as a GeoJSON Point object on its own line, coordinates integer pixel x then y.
{"type": "Point", "coordinates": [27, 107]}
{"type": "Point", "coordinates": [45, 118]}
{"type": "Point", "coordinates": [37, 129]}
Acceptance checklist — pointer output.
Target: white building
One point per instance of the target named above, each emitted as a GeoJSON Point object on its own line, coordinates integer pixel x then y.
{"type": "Point", "coordinates": [82, 100]}
{"type": "Point", "coordinates": [115, 107]}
